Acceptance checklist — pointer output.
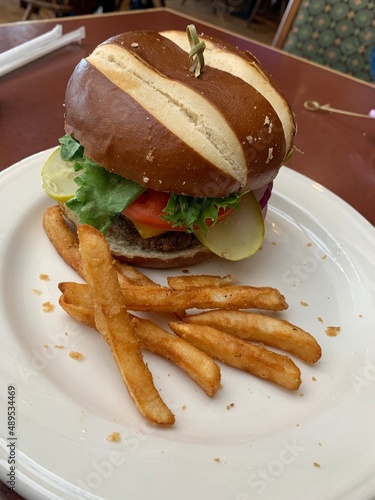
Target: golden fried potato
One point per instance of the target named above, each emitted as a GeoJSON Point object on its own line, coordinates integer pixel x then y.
{"type": "Point", "coordinates": [66, 244]}
{"type": "Point", "coordinates": [130, 276]}
{"type": "Point", "coordinates": [77, 309]}
{"type": "Point", "coordinates": [164, 299]}
{"type": "Point", "coordinates": [196, 280]}
{"type": "Point", "coordinates": [114, 323]}
{"type": "Point", "coordinates": [201, 367]}
{"type": "Point", "coordinates": [62, 238]}
{"type": "Point", "coordinates": [197, 364]}
{"type": "Point", "coordinates": [235, 352]}
{"type": "Point", "coordinates": [268, 330]}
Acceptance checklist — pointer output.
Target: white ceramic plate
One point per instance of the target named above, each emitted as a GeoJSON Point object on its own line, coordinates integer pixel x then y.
{"type": "Point", "coordinates": [271, 444]}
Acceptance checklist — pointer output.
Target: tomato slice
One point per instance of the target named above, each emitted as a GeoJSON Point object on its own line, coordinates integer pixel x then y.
{"type": "Point", "coordinates": [148, 209]}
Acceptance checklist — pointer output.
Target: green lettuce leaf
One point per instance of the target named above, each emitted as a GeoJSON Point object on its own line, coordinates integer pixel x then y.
{"type": "Point", "coordinates": [70, 150]}
{"type": "Point", "coordinates": [192, 212]}
{"type": "Point", "coordinates": [101, 195]}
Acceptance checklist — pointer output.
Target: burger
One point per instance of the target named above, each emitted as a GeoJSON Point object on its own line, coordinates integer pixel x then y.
{"type": "Point", "coordinates": [174, 142]}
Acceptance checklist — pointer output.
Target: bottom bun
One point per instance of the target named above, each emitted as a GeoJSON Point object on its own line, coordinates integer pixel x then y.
{"type": "Point", "coordinates": [127, 246]}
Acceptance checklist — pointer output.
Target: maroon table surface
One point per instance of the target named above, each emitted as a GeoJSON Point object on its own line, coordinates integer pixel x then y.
{"type": "Point", "coordinates": [334, 150]}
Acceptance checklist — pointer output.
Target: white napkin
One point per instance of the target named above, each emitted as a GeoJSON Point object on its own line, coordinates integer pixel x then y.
{"type": "Point", "coordinates": [37, 47]}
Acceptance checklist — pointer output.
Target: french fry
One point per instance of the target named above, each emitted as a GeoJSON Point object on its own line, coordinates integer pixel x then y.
{"type": "Point", "coordinates": [76, 292]}
{"type": "Point", "coordinates": [197, 364]}
{"type": "Point", "coordinates": [164, 299]}
{"type": "Point", "coordinates": [235, 352]}
{"type": "Point", "coordinates": [182, 282]}
{"type": "Point", "coordinates": [130, 276]}
{"type": "Point", "coordinates": [114, 323]}
{"type": "Point", "coordinates": [66, 244]}
{"type": "Point", "coordinates": [201, 367]}
{"type": "Point", "coordinates": [268, 330]}
{"type": "Point", "coordinates": [79, 310]}
{"type": "Point", "coordinates": [62, 238]}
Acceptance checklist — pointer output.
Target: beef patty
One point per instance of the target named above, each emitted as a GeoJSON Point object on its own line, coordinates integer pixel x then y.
{"type": "Point", "coordinates": [165, 242]}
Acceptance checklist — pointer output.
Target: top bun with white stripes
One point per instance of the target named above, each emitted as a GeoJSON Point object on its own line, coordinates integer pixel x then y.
{"type": "Point", "coordinates": [139, 112]}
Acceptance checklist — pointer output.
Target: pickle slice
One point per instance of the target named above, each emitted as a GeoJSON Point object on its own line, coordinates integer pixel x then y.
{"type": "Point", "coordinates": [58, 178]}
{"type": "Point", "coordinates": [240, 235]}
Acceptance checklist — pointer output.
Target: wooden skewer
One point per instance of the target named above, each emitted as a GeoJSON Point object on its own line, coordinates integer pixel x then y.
{"type": "Point", "coordinates": [315, 106]}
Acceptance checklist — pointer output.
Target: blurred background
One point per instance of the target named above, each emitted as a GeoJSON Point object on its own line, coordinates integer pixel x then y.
{"type": "Point", "coordinates": [233, 15]}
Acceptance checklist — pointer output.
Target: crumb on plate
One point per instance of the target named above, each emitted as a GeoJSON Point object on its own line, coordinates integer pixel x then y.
{"type": "Point", "coordinates": [48, 307]}
{"type": "Point", "coordinates": [76, 355]}
{"type": "Point", "coordinates": [333, 331]}
{"type": "Point", "coordinates": [114, 437]}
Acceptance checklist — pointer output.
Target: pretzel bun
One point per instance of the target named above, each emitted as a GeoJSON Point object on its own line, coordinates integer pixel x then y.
{"type": "Point", "coordinates": [139, 112]}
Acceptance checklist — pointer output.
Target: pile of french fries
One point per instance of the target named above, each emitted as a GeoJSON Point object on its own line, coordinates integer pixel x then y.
{"type": "Point", "coordinates": [225, 331]}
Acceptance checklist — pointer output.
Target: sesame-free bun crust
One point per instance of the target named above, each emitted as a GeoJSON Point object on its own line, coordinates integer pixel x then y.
{"type": "Point", "coordinates": [140, 113]}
